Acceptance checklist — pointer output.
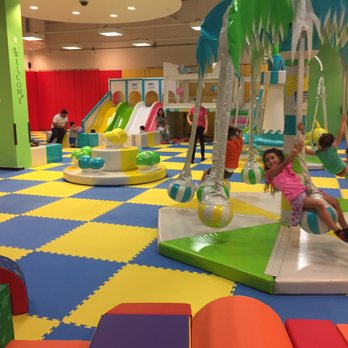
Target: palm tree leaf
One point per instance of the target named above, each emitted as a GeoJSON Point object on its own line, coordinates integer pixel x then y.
{"type": "Point", "coordinates": [247, 18]}
{"type": "Point", "coordinates": [208, 42]}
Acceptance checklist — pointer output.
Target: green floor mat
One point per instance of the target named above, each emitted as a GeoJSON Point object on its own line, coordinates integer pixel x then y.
{"type": "Point", "coordinates": [240, 255]}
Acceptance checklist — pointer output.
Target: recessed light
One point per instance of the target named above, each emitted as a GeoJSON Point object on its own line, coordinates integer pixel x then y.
{"type": "Point", "coordinates": [71, 46]}
{"type": "Point", "coordinates": [142, 43]}
{"type": "Point", "coordinates": [34, 7]}
{"type": "Point", "coordinates": [113, 15]}
{"type": "Point", "coordinates": [131, 8]}
{"type": "Point", "coordinates": [32, 37]}
{"type": "Point", "coordinates": [75, 13]}
{"type": "Point", "coordinates": [110, 32]}
{"type": "Point", "coordinates": [196, 25]}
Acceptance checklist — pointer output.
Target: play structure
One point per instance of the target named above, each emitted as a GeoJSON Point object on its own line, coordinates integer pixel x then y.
{"type": "Point", "coordinates": [224, 322]}
{"type": "Point", "coordinates": [114, 163]}
{"type": "Point", "coordinates": [239, 236]}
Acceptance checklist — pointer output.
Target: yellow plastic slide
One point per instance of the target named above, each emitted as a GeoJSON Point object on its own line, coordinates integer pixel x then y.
{"type": "Point", "coordinates": [104, 117]}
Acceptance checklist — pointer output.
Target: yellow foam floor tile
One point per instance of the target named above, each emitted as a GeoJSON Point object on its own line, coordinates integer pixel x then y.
{"type": "Point", "coordinates": [325, 182]}
{"type": "Point", "coordinates": [241, 187]}
{"type": "Point", "coordinates": [153, 196]}
{"type": "Point", "coordinates": [28, 327]}
{"type": "Point", "coordinates": [181, 155]}
{"type": "Point", "coordinates": [5, 217]}
{"type": "Point", "coordinates": [136, 283]}
{"type": "Point", "coordinates": [74, 209]}
{"type": "Point", "coordinates": [3, 194]}
{"type": "Point", "coordinates": [70, 149]}
{"type": "Point", "coordinates": [173, 165]}
{"type": "Point", "coordinates": [47, 166]}
{"type": "Point", "coordinates": [150, 184]}
{"type": "Point", "coordinates": [41, 175]}
{"type": "Point", "coordinates": [107, 242]}
{"type": "Point", "coordinates": [171, 149]}
{"type": "Point", "coordinates": [197, 174]}
{"type": "Point", "coordinates": [163, 158]}
{"type": "Point", "coordinates": [13, 253]}
{"type": "Point", "coordinates": [344, 193]}
{"type": "Point", "coordinates": [54, 189]}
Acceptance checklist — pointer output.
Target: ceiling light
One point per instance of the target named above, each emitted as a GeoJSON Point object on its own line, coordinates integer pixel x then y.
{"type": "Point", "coordinates": [71, 46]}
{"type": "Point", "coordinates": [34, 7]}
{"type": "Point", "coordinates": [196, 25]}
{"type": "Point", "coordinates": [110, 32]}
{"type": "Point", "coordinates": [75, 13]}
{"type": "Point", "coordinates": [32, 37]}
{"type": "Point", "coordinates": [131, 8]}
{"type": "Point", "coordinates": [142, 43]}
{"type": "Point", "coordinates": [113, 15]}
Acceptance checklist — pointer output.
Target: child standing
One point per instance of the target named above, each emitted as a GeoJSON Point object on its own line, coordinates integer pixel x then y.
{"type": "Point", "coordinates": [72, 134]}
{"type": "Point", "coordinates": [327, 151]}
{"type": "Point", "coordinates": [280, 176]}
{"type": "Point", "coordinates": [234, 147]}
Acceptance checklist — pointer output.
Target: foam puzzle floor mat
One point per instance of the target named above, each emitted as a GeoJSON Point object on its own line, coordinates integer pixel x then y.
{"type": "Point", "coordinates": [84, 250]}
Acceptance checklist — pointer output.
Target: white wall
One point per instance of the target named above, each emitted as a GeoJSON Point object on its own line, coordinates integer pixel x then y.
{"type": "Point", "coordinates": [110, 59]}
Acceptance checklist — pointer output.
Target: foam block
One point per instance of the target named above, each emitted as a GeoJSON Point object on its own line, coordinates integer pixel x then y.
{"type": "Point", "coordinates": [38, 156]}
{"type": "Point", "coordinates": [6, 324]}
{"type": "Point", "coordinates": [54, 153]}
{"type": "Point", "coordinates": [48, 344]}
{"type": "Point", "coordinates": [93, 139]}
{"type": "Point", "coordinates": [343, 329]}
{"type": "Point", "coordinates": [152, 325]}
{"type": "Point", "coordinates": [309, 333]}
{"type": "Point", "coordinates": [11, 274]}
{"type": "Point", "coordinates": [238, 322]}
{"type": "Point", "coordinates": [82, 139]}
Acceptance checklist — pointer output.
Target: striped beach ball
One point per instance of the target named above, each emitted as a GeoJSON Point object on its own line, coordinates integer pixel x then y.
{"type": "Point", "coordinates": [203, 190]}
{"type": "Point", "coordinates": [181, 191]}
{"type": "Point", "coordinates": [312, 223]}
{"type": "Point", "coordinates": [216, 216]}
{"type": "Point", "coordinates": [252, 173]}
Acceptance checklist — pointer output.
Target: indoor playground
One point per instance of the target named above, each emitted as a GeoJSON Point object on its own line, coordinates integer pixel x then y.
{"type": "Point", "coordinates": [117, 236]}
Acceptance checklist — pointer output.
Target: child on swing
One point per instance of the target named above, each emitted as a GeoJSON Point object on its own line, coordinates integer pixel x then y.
{"type": "Point", "coordinates": [280, 176]}
{"type": "Point", "coordinates": [327, 151]}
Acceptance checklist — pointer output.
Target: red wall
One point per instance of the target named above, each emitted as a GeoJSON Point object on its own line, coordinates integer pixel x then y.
{"type": "Point", "coordinates": [75, 90]}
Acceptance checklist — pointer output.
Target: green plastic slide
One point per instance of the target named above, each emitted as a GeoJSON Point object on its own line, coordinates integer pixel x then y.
{"type": "Point", "coordinates": [122, 116]}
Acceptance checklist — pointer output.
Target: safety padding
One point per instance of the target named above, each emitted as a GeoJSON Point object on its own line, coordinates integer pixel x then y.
{"type": "Point", "coordinates": [54, 153]}
{"type": "Point", "coordinates": [154, 325]}
{"type": "Point", "coordinates": [38, 156]}
{"type": "Point", "coordinates": [6, 323]}
{"type": "Point", "coordinates": [48, 344]}
{"type": "Point", "coordinates": [238, 322]}
{"type": "Point", "coordinates": [11, 274]}
{"type": "Point", "coordinates": [273, 77]}
{"type": "Point", "coordinates": [309, 333]}
{"type": "Point", "coordinates": [89, 139]}
{"type": "Point", "coordinates": [343, 329]}
{"type": "Point", "coordinates": [147, 139]}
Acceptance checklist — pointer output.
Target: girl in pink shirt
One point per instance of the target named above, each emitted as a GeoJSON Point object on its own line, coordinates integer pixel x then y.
{"type": "Point", "coordinates": [281, 177]}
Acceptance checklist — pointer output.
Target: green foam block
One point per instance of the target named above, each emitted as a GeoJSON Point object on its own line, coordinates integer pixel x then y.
{"type": "Point", "coordinates": [239, 255]}
{"type": "Point", "coordinates": [6, 323]}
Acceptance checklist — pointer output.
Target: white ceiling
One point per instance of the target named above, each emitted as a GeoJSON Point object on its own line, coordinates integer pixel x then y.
{"type": "Point", "coordinates": [98, 11]}
{"type": "Point", "coordinates": [163, 22]}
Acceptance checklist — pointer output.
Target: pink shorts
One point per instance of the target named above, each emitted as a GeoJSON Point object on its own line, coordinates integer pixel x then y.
{"type": "Point", "coordinates": [297, 208]}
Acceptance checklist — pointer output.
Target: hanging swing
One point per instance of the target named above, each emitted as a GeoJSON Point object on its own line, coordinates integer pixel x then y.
{"type": "Point", "coordinates": [252, 173]}
{"type": "Point", "coordinates": [316, 130]}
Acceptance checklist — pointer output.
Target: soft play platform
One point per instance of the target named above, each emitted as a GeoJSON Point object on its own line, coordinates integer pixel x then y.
{"type": "Point", "coordinates": [254, 249]}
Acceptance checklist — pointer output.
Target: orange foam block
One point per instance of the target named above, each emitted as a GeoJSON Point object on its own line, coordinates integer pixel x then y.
{"type": "Point", "coordinates": [310, 333]}
{"type": "Point", "coordinates": [48, 344]}
{"type": "Point", "coordinates": [238, 322]}
{"type": "Point", "coordinates": [343, 329]}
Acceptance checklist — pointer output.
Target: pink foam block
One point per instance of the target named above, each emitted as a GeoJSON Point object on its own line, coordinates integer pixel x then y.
{"type": "Point", "coordinates": [343, 329]}
{"type": "Point", "coordinates": [308, 333]}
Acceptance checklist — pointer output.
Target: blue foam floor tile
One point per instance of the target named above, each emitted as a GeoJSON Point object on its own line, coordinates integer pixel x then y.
{"type": "Point", "coordinates": [29, 232]}
{"type": "Point", "coordinates": [321, 174]}
{"type": "Point", "coordinates": [110, 193]}
{"type": "Point", "coordinates": [59, 168]}
{"type": "Point", "coordinates": [330, 307]}
{"type": "Point", "coordinates": [164, 184]}
{"type": "Point", "coordinates": [9, 173]}
{"type": "Point", "coordinates": [71, 332]}
{"type": "Point", "coordinates": [57, 284]}
{"type": "Point", "coordinates": [151, 257]}
{"type": "Point", "coordinates": [332, 192]}
{"type": "Point", "coordinates": [9, 185]}
{"type": "Point", "coordinates": [343, 183]}
{"type": "Point", "coordinates": [19, 204]}
{"type": "Point", "coordinates": [142, 215]}
{"type": "Point", "coordinates": [201, 166]}
{"type": "Point", "coordinates": [172, 172]}
{"type": "Point", "coordinates": [162, 153]}
{"type": "Point", "coordinates": [175, 159]}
